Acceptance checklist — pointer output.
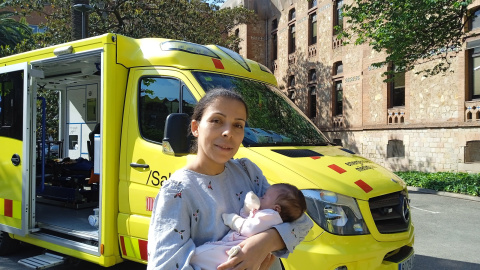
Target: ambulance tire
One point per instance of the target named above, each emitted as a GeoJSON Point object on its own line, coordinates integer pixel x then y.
{"type": "Point", "coordinates": [7, 244]}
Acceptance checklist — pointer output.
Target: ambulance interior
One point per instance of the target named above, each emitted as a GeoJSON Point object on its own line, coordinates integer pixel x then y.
{"type": "Point", "coordinates": [67, 172]}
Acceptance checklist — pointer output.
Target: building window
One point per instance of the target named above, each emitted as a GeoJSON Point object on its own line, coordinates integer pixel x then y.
{"type": "Point", "coordinates": [338, 88]}
{"type": "Point", "coordinates": [337, 142]}
{"type": "Point", "coordinates": [472, 152]}
{"type": "Point", "coordinates": [291, 88]}
{"type": "Point", "coordinates": [274, 46]}
{"type": "Point", "coordinates": [312, 100]}
{"type": "Point", "coordinates": [395, 148]}
{"type": "Point", "coordinates": [312, 25]}
{"type": "Point", "coordinates": [474, 74]}
{"type": "Point", "coordinates": [312, 93]}
{"type": "Point", "coordinates": [312, 76]}
{"type": "Point", "coordinates": [291, 39]}
{"type": "Point", "coordinates": [338, 98]}
{"type": "Point", "coordinates": [475, 21]}
{"type": "Point", "coordinates": [274, 39]}
{"type": "Point", "coordinates": [337, 68]}
{"type": "Point", "coordinates": [291, 14]}
{"type": "Point", "coordinates": [397, 90]}
{"type": "Point", "coordinates": [338, 17]}
{"type": "Point", "coordinates": [312, 4]}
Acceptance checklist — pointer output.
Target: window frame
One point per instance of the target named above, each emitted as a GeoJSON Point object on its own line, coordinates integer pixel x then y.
{"type": "Point", "coordinates": [292, 14]}
{"type": "Point", "coordinates": [393, 91]}
{"type": "Point", "coordinates": [337, 18]}
{"type": "Point", "coordinates": [312, 28]}
{"type": "Point", "coordinates": [291, 88]}
{"type": "Point", "coordinates": [337, 79]}
{"type": "Point", "coordinates": [292, 31]}
{"type": "Point", "coordinates": [312, 93]}
{"type": "Point", "coordinates": [473, 18]}
{"type": "Point", "coordinates": [471, 74]}
{"type": "Point", "coordinates": [274, 37]}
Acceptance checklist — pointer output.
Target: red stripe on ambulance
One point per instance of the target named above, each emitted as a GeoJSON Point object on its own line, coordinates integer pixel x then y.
{"type": "Point", "coordinates": [150, 202]}
{"type": "Point", "coordinates": [337, 168]}
{"type": "Point", "coordinates": [218, 64]}
{"type": "Point", "coordinates": [142, 244]}
{"type": "Point", "coordinates": [366, 187]}
{"type": "Point", "coordinates": [8, 208]}
{"type": "Point", "coordinates": [122, 244]}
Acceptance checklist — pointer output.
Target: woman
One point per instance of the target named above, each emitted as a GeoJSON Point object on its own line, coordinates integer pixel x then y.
{"type": "Point", "coordinates": [188, 209]}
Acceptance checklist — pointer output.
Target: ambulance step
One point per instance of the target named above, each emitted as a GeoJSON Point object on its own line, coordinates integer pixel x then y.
{"type": "Point", "coordinates": [44, 261]}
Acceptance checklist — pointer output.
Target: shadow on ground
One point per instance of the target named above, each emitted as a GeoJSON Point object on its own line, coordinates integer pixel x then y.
{"type": "Point", "coordinates": [432, 263]}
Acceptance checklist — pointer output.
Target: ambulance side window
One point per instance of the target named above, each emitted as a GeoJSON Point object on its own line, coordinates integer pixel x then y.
{"type": "Point", "coordinates": [188, 102]}
{"type": "Point", "coordinates": [159, 97]}
{"type": "Point", "coordinates": [11, 101]}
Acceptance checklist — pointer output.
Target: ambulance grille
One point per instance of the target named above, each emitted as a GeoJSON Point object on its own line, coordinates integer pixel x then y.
{"type": "Point", "coordinates": [391, 212]}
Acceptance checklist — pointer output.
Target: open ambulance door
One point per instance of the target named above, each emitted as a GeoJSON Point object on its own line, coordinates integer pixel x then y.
{"type": "Point", "coordinates": [17, 148]}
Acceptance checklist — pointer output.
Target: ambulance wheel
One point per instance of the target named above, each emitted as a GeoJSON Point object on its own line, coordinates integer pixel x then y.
{"type": "Point", "coordinates": [7, 244]}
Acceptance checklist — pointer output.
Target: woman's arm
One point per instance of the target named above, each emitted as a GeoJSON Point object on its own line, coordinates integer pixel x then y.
{"type": "Point", "coordinates": [292, 233]}
{"type": "Point", "coordinates": [255, 253]}
{"type": "Point", "coordinates": [169, 242]}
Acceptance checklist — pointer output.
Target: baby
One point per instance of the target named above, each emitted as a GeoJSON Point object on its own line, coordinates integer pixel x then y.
{"type": "Point", "coordinates": [280, 203]}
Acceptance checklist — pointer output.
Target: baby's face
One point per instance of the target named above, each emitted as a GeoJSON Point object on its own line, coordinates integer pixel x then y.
{"type": "Point", "coordinates": [267, 201]}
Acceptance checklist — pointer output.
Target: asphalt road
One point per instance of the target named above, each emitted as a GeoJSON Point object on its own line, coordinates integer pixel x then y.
{"type": "Point", "coordinates": [447, 236]}
{"type": "Point", "coordinates": [447, 232]}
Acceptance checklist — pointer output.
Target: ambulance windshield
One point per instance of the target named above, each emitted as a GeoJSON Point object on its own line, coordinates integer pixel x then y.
{"type": "Point", "coordinates": [273, 119]}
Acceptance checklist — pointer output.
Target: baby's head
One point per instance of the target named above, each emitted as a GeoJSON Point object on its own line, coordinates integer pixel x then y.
{"type": "Point", "coordinates": [286, 199]}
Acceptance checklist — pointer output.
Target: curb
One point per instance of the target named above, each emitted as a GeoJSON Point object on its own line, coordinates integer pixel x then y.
{"type": "Point", "coordinates": [443, 193]}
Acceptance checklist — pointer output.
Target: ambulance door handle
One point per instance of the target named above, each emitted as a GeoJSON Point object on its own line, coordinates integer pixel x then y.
{"type": "Point", "coordinates": [15, 159]}
{"type": "Point", "coordinates": [136, 165]}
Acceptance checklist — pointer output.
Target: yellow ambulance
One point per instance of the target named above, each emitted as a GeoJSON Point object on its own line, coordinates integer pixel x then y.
{"type": "Point", "coordinates": [123, 112]}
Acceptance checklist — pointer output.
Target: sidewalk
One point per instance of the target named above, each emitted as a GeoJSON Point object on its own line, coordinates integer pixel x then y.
{"type": "Point", "coordinates": [443, 193]}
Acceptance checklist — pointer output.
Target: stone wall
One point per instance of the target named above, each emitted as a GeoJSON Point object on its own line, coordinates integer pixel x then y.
{"type": "Point", "coordinates": [429, 149]}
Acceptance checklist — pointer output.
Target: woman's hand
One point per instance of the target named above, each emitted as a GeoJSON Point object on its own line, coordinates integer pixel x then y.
{"type": "Point", "coordinates": [255, 253]}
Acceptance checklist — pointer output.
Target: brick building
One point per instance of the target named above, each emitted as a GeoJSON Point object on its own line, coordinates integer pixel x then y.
{"type": "Point", "coordinates": [414, 123]}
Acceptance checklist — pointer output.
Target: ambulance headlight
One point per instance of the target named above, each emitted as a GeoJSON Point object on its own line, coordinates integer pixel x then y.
{"type": "Point", "coordinates": [335, 213]}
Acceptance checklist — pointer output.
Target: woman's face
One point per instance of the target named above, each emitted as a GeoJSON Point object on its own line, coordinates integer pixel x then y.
{"type": "Point", "coordinates": [220, 132]}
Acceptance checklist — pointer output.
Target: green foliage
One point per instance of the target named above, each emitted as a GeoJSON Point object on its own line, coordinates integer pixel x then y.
{"type": "Point", "coordinates": [409, 31]}
{"type": "Point", "coordinates": [11, 31]}
{"type": "Point", "coordinates": [465, 183]}
{"type": "Point", "coordinates": [191, 20]}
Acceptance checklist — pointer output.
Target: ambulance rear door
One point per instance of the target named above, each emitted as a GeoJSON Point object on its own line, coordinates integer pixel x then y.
{"type": "Point", "coordinates": [17, 148]}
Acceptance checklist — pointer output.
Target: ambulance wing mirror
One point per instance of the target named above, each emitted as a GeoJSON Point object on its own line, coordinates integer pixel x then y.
{"type": "Point", "coordinates": [176, 139]}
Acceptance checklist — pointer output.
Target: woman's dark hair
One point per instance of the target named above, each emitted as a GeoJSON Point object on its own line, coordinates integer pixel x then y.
{"type": "Point", "coordinates": [291, 201]}
{"type": "Point", "coordinates": [208, 99]}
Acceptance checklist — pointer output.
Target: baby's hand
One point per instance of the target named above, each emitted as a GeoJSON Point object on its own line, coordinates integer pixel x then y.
{"type": "Point", "coordinates": [233, 221]}
{"type": "Point", "coordinates": [251, 202]}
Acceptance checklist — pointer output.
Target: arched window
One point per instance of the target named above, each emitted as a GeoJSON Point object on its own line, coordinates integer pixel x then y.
{"type": "Point", "coordinates": [291, 14]}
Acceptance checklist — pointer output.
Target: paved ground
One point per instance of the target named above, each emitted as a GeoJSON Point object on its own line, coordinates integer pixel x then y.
{"type": "Point", "coordinates": [447, 236]}
{"type": "Point", "coordinates": [447, 232]}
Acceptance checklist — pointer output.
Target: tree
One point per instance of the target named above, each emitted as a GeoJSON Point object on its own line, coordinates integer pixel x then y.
{"type": "Point", "coordinates": [11, 31]}
{"type": "Point", "coordinates": [411, 32]}
{"type": "Point", "coordinates": [191, 20]}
